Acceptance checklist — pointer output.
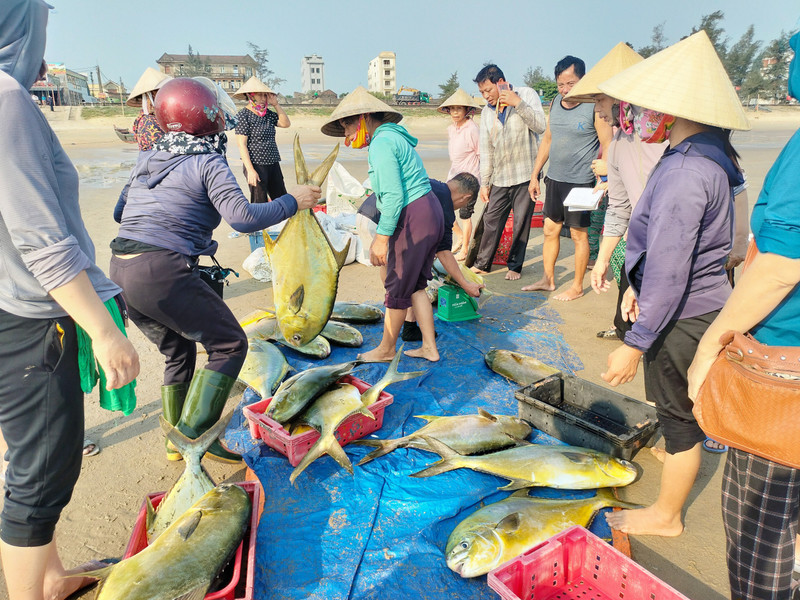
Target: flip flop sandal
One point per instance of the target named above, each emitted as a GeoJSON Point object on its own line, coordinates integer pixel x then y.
{"type": "Point", "coordinates": [90, 448]}
{"type": "Point", "coordinates": [714, 446]}
{"type": "Point", "coordinates": [608, 334]}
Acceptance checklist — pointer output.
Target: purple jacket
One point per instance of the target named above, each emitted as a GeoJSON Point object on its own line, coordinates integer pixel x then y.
{"type": "Point", "coordinates": [680, 236]}
{"type": "Point", "coordinates": [175, 201]}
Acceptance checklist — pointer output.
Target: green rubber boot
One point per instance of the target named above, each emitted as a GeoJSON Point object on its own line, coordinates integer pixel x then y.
{"type": "Point", "coordinates": [172, 398]}
{"type": "Point", "coordinates": [204, 404]}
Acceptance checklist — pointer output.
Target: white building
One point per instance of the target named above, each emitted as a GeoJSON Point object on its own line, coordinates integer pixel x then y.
{"type": "Point", "coordinates": [312, 74]}
{"type": "Point", "coordinates": [382, 74]}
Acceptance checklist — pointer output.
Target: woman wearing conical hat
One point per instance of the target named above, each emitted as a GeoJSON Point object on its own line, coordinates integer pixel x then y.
{"type": "Point", "coordinates": [411, 223]}
{"type": "Point", "coordinates": [679, 238]}
{"type": "Point", "coordinates": [146, 129]}
{"type": "Point", "coordinates": [463, 146]}
{"type": "Point", "coordinates": [256, 130]}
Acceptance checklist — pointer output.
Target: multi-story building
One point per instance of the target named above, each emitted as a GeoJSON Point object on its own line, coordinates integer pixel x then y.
{"type": "Point", "coordinates": [67, 87]}
{"type": "Point", "coordinates": [228, 71]}
{"type": "Point", "coordinates": [312, 74]}
{"type": "Point", "coordinates": [382, 74]}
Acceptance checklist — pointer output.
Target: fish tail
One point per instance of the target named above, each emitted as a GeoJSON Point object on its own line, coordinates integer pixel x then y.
{"type": "Point", "coordinates": [392, 376]}
{"type": "Point", "coordinates": [341, 256]}
{"type": "Point", "coordinates": [382, 447]}
{"type": "Point", "coordinates": [321, 172]}
{"type": "Point", "coordinates": [300, 170]}
{"type": "Point", "coordinates": [448, 462]}
{"type": "Point", "coordinates": [193, 450]}
{"type": "Point", "coordinates": [326, 444]}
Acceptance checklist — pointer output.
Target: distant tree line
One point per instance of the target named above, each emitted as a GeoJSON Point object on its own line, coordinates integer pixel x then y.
{"type": "Point", "coordinates": [756, 69]}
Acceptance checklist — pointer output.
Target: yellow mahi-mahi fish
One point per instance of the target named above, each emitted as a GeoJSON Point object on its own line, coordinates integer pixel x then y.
{"type": "Point", "coordinates": [305, 267]}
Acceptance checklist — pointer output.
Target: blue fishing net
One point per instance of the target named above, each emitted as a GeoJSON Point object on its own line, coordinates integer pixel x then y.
{"type": "Point", "coordinates": [380, 533]}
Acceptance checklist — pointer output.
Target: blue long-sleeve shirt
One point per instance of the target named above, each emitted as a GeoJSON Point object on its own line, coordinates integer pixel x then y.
{"type": "Point", "coordinates": [679, 237]}
{"type": "Point", "coordinates": [175, 201]}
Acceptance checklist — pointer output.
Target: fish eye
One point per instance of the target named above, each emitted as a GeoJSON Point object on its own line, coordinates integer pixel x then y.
{"type": "Point", "coordinates": [464, 545]}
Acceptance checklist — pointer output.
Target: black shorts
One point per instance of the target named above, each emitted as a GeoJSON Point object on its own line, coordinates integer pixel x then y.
{"type": "Point", "coordinates": [666, 367]}
{"type": "Point", "coordinates": [555, 194]}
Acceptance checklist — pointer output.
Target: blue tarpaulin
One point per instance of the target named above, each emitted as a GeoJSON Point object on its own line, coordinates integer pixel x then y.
{"type": "Point", "coordinates": [380, 533]}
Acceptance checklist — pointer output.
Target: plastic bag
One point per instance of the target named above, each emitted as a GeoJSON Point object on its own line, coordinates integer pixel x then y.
{"type": "Point", "coordinates": [337, 235]}
{"type": "Point", "coordinates": [344, 193]}
{"type": "Point", "coordinates": [258, 265]}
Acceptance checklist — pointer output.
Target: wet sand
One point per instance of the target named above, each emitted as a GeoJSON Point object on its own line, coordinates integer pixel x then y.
{"type": "Point", "coordinates": [108, 496]}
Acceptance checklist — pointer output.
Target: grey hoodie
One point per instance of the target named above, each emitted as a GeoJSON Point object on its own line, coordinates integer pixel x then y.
{"type": "Point", "coordinates": [43, 241]}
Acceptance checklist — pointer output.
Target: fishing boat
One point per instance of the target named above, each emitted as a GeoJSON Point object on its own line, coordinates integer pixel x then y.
{"type": "Point", "coordinates": [126, 135]}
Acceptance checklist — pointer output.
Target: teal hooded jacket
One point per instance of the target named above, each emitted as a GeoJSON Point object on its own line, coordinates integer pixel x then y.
{"type": "Point", "coordinates": [396, 173]}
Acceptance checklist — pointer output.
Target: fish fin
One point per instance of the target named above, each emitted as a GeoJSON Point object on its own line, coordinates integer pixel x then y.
{"type": "Point", "coordinates": [442, 449]}
{"type": "Point", "coordinates": [521, 493]}
{"type": "Point", "coordinates": [321, 172]}
{"type": "Point", "coordinates": [487, 415]}
{"type": "Point", "coordinates": [578, 458]}
{"type": "Point", "coordinates": [516, 484]}
{"type": "Point", "coordinates": [296, 299]}
{"type": "Point", "coordinates": [324, 445]}
{"type": "Point", "coordinates": [428, 418]}
{"type": "Point", "coordinates": [382, 447]}
{"type": "Point", "coordinates": [367, 413]}
{"type": "Point", "coordinates": [510, 523]}
{"type": "Point", "coordinates": [150, 515]}
{"type": "Point", "coordinates": [447, 463]}
{"type": "Point", "coordinates": [269, 243]}
{"type": "Point", "coordinates": [519, 441]}
{"type": "Point", "coordinates": [101, 574]}
{"type": "Point", "coordinates": [197, 593]}
{"type": "Point", "coordinates": [300, 170]}
{"type": "Point", "coordinates": [187, 529]}
{"type": "Point", "coordinates": [341, 255]}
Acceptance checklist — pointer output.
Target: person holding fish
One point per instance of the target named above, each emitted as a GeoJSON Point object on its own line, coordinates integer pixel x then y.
{"type": "Point", "coordinates": [675, 257]}
{"type": "Point", "coordinates": [177, 195]}
{"type": "Point", "coordinates": [411, 223]}
{"type": "Point", "coordinates": [49, 285]}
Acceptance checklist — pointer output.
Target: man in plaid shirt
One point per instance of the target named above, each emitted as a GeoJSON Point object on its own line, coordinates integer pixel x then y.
{"type": "Point", "coordinates": [511, 123]}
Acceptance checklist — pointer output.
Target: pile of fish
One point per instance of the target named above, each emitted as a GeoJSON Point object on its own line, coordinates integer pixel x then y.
{"type": "Point", "coordinates": [315, 398]}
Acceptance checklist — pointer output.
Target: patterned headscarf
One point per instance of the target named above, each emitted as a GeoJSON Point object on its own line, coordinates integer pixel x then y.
{"type": "Point", "coordinates": [178, 142]}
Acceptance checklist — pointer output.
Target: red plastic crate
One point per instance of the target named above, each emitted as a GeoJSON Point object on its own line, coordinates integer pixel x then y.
{"type": "Point", "coordinates": [577, 565]}
{"type": "Point", "coordinates": [238, 587]}
{"type": "Point", "coordinates": [504, 247]}
{"type": "Point", "coordinates": [294, 447]}
{"type": "Point", "coordinates": [320, 208]}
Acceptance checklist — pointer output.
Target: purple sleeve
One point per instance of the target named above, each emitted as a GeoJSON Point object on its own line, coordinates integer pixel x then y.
{"type": "Point", "coordinates": [226, 196]}
{"type": "Point", "coordinates": [676, 212]}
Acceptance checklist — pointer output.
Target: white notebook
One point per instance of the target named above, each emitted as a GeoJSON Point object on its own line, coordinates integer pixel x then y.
{"type": "Point", "coordinates": [583, 198]}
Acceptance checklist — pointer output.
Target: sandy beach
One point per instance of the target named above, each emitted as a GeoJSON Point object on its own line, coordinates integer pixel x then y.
{"type": "Point", "coordinates": [98, 521]}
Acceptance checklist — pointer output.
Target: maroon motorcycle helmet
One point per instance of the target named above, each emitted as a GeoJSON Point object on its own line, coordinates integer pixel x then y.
{"type": "Point", "coordinates": [183, 104]}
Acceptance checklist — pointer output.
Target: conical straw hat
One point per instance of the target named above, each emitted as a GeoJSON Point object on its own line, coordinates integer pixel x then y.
{"type": "Point", "coordinates": [617, 60]}
{"type": "Point", "coordinates": [358, 102]}
{"type": "Point", "coordinates": [686, 80]}
{"type": "Point", "coordinates": [460, 98]}
{"type": "Point", "coordinates": [150, 81]}
{"type": "Point", "coordinates": [252, 86]}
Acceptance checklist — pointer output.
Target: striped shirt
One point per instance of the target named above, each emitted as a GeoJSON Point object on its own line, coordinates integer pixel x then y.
{"type": "Point", "coordinates": [508, 150]}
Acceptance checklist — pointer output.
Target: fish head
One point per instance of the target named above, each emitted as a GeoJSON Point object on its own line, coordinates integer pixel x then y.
{"type": "Point", "coordinates": [618, 471]}
{"type": "Point", "coordinates": [477, 552]}
{"type": "Point", "coordinates": [295, 329]}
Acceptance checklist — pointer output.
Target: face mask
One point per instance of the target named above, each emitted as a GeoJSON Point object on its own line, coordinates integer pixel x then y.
{"type": "Point", "coordinates": [651, 126]}
{"type": "Point", "coordinates": [259, 109]}
{"type": "Point", "coordinates": [361, 137]}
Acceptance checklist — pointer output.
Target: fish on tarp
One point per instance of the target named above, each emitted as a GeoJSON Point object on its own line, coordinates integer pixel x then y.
{"type": "Point", "coordinates": [466, 434]}
{"type": "Point", "coordinates": [263, 325]}
{"type": "Point", "coordinates": [193, 483]}
{"type": "Point", "coordinates": [184, 561]}
{"type": "Point", "coordinates": [517, 367]}
{"type": "Point", "coordinates": [342, 334]}
{"type": "Point", "coordinates": [356, 312]}
{"type": "Point", "coordinates": [297, 392]}
{"type": "Point", "coordinates": [506, 529]}
{"type": "Point", "coordinates": [534, 465]}
{"type": "Point", "coordinates": [264, 367]}
{"type": "Point", "coordinates": [332, 408]}
{"type": "Point", "coordinates": [305, 267]}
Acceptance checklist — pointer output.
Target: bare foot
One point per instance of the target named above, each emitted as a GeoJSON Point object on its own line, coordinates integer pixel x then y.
{"type": "Point", "coordinates": [543, 285]}
{"type": "Point", "coordinates": [512, 276]}
{"type": "Point", "coordinates": [431, 354]}
{"type": "Point", "coordinates": [461, 256]}
{"type": "Point", "coordinates": [376, 355]}
{"type": "Point", "coordinates": [645, 521]}
{"type": "Point", "coordinates": [571, 294]}
{"type": "Point", "coordinates": [64, 587]}
{"type": "Point", "coordinates": [478, 271]}
{"type": "Point", "coordinates": [659, 453]}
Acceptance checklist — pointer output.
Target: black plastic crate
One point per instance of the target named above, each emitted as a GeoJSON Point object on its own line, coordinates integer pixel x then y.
{"type": "Point", "coordinates": [584, 414]}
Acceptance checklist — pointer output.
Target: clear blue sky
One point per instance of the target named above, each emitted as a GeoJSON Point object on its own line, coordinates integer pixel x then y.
{"type": "Point", "coordinates": [432, 38]}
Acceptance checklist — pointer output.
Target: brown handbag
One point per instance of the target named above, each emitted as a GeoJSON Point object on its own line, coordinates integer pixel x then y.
{"type": "Point", "coordinates": [751, 399]}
